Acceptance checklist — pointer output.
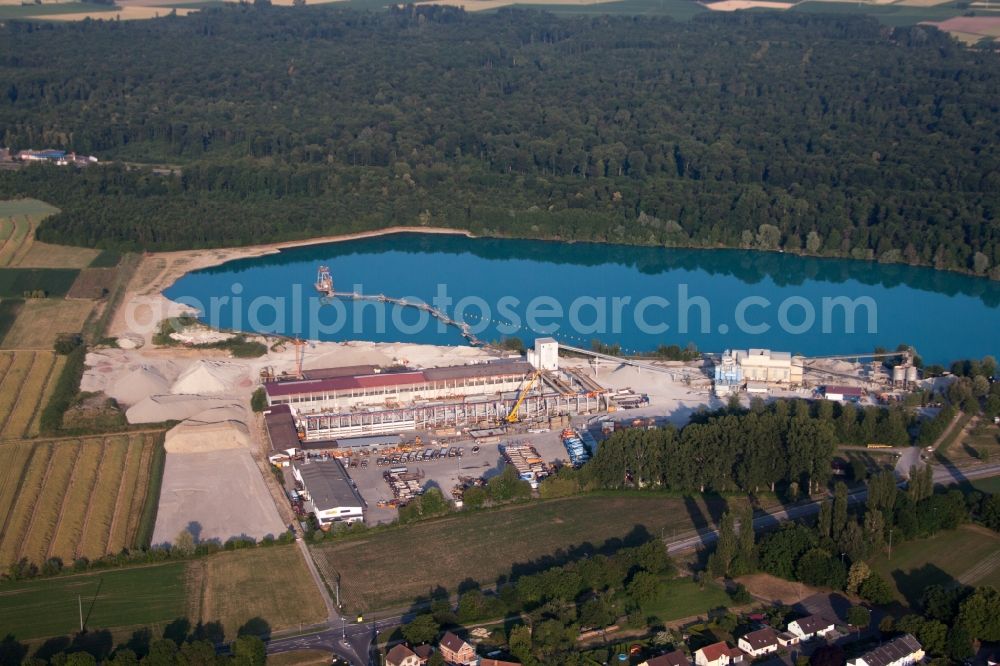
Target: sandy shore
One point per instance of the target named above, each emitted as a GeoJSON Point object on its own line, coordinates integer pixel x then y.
{"type": "Point", "coordinates": [144, 305]}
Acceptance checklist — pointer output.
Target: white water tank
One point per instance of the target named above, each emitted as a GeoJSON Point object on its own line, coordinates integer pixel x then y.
{"type": "Point", "coordinates": [911, 373]}
{"type": "Point", "coordinates": [898, 374]}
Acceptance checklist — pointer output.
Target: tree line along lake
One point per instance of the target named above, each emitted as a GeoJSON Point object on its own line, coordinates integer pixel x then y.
{"type": "Point", "coordinates": [636, 297]}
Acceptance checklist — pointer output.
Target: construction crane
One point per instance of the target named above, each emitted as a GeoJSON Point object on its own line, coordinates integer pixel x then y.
{"type": "Point", "coordinates": [512, 416]}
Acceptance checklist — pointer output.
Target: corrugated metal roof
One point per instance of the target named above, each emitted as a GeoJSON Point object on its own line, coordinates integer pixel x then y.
{"type": "Point", "coordinates": [328, 485]}
{"type": "Point", "coordinates": [345, 383]}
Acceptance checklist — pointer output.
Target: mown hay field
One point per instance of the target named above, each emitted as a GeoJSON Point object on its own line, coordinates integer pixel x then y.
{"type": "Point", "coordinates": [26, 381]}
{"type": "Point", "coordinates": [71, 498]}
{"type": "Point", "coordinates": [271, 583]}
{"type": "Point", "coordinates": [506, 542]}
{"type": "Point", "coordinates": [40, 321]}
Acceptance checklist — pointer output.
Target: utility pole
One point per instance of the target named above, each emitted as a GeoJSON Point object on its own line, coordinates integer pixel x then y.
{"type": "Point", "coordinates": [79, 601]}
{"type": "Point", "coordinates": [890, 543]}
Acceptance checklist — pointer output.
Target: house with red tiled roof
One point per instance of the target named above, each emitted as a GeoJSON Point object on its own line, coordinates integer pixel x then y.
{"type": "Point", "coordinates": [401, 655]}
{"type": "Point", "coordinates": [718, 654]}
{"type": "Point", "coordinates": [456, 651]}
{"type": "Point", "coordinates": [424, 652]}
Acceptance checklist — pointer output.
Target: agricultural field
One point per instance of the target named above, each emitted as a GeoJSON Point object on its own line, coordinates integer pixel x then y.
{"type": "Point", "coordinates": [18, 219]}
{"type": "Point", "coordinates": [54, 282]}
{"type": "Point", "coordinates": [76, 497]}
{"type": "Point", "coordinates": [26, 381]}
{"type": "Point", "coordinates": [270, 583]}
{"type": "Point", "coordinates": [41, 320]}
{"type": "Point", "coordinates": [147, 595]}
{"type": "Point", "coordinates": [969, 555]}
{"type": "Point", "coordinates": [466, 545]}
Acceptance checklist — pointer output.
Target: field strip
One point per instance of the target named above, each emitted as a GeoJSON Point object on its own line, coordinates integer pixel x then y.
{"type": "Point", "coordinates": [77, 481]}
{"type": "Point", "coordinates": [981, 570]}
{"type": "Point", "coordinates": [49, 501]}
{"type": "Point", "coordinates": [117, 520]}
{"type": "Point", "coordinates": [91, 492]}
{"type": "Point", "coordinates": [11, 383]}
{"type": "Point", "coordinates": [36, 413]}
{"type": "Point", "coordinates": [18, 398]}
{"type": "Point", "coordinates": [26, 242]}
{"type": "Point", "coordinates": [13, 243]}
{"type": "Point", "coordinates": [6, 358]}
{"type": "Point", "coordinates": [6, 229]}
{"type": "Point", "coordinates": [33, 486]}
{"type": "Point", "coordinates": [97, 531]}
{"type": "Point", "coordinates": [141, 488]}
{"type": "Point", "coordinates": [15, 466]}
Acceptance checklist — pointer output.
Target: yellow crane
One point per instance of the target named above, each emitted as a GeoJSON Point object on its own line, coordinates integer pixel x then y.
{"type": "Point", "coordinates": [512, 416]}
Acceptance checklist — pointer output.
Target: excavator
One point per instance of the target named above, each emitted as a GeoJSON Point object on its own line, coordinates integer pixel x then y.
{"type": "Point", "coordinates": [512, 416]}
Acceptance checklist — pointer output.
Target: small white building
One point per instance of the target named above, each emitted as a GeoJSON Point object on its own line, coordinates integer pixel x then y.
{"type": "Point", "coordinates": [812, 625]}
{"type": "Point", "coordinates": [329, 491]}
{"type": "Point", "coordinates": [760, 642]}
{"type": "Point", "coordinates": [901, 651]}
{"type": "Point", "coordinates": [545, 355]}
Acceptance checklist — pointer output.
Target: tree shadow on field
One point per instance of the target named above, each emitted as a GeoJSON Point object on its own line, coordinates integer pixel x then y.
{"type": "Point", "coordinates": [912, 584]}
{"type": "Point", "coordinates": [139, 641]}
{"type": "Point", "coordinates": [12, 651]}
{"type": "Point", "coordinates": [97, 643]}
{"type": "Point", "coordinates": [177, 631]}
{"type": "Point", "coordinates": [256, 626]}
{"type": "Point", "coordinates": [52, 647]}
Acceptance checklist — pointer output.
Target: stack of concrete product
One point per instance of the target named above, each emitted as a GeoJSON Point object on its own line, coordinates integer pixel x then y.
{"type": "Point", "coordinates": [214, 429]}
{"type": "Point", "coordinates": [525, 459]}
{"type": "Point", "coordinates": [207, 377]}
{"type": "Point", "coordinates": [160, 408]}
{"type": "Point", "coordinates": [403, 489]}
{"type": "Point", "coordinates": [559, 421]}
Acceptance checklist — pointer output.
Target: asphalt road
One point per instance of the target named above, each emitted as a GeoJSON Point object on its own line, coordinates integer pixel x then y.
{"type": "Point", "coordinates": [352, 641]}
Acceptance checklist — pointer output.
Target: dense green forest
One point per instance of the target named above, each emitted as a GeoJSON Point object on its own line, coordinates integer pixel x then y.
{"type": "Point", "coordinates": [827, 135]}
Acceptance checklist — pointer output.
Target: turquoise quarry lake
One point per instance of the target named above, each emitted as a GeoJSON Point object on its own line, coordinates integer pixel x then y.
{"type": "Point", "coordinates": [638, 297]}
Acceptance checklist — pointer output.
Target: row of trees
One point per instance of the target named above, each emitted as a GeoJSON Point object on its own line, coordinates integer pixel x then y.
{"type": "Point", "coordinates": [558, 602]}
{"type": "Point", "coordinates": [514, 123]}
{"type": "Point", "coordinates": [786, 444]}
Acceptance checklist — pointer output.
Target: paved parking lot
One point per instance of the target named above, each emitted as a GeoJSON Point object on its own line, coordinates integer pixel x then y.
{"type": "Point", "coordinates": [444, 473]}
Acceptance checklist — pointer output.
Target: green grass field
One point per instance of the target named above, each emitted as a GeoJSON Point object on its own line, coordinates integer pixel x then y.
{"type": "Point", "coordinates": [53, 281]}
{"type": "Point", "coordinates": [969, 555]}
{"type": "Point", "coordinates": [153, 595]}
{"type": "Point", "coordinates": [683, 597]}
{"type": "Point", "coordinates": [990, 485]}
{"type": "Point", "coordinates": [32, 207]}
{"type": "Point", "coordinates": [395, 567]}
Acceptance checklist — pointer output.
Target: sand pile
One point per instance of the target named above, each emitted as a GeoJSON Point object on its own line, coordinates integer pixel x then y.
{"type": "Point", "coordinates": [207, 377]}
{"type": "Point", "coordinates": [134, 385]}
{"type": "Point", "coordinates": [214, 429]}
{"type": "Point", "coordinates": [158, 408]}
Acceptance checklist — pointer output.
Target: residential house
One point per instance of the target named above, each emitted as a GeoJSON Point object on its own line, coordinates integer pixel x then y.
{"type": "Point", "coordinates": [675, 658]}
{"type": "Point", "coordinates": [785, 639]}
{"type": "Point", "coordinates": [760, 642]}
{"type": "Point", "coordinates": [810, 626]}
{"type": "Point", "coordinates": [901, 651]}
{"type": "Point", "coordinates": [456, 651]}
{"type": "Point", "coordinates": [424, 653]}
{"type": "Point", "coordinates": [718, 654]}
{"type": "Point", "coordinates": [401, 655]}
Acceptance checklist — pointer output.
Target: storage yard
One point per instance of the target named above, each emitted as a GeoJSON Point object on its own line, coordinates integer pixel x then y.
{"type": "Point", "coordinates": [77, 497]}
